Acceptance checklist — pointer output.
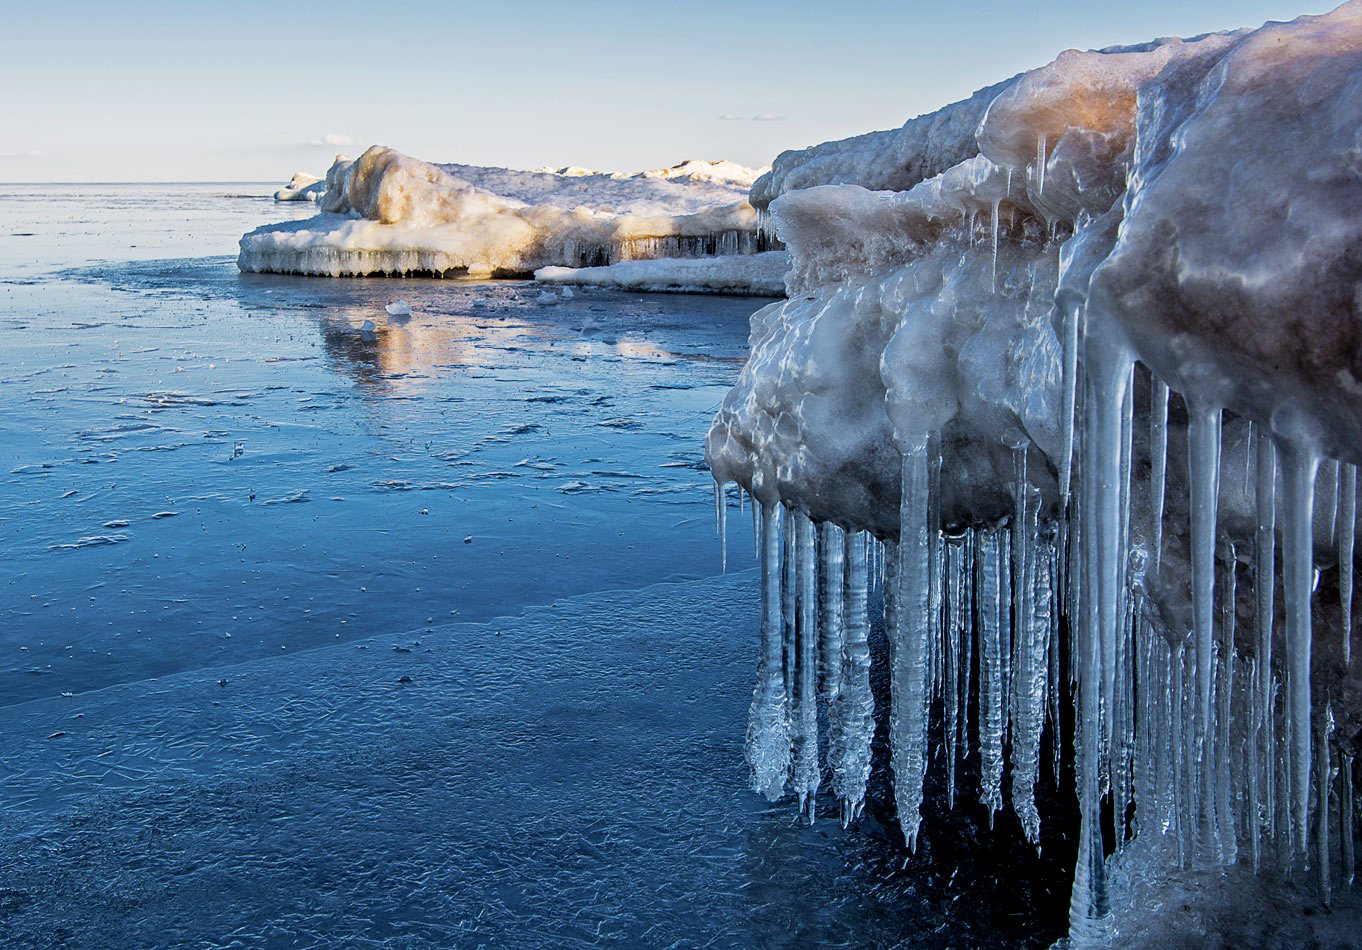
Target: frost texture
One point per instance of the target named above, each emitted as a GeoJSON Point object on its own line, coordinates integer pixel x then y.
{"type": "Point", "coordinates": [387, 213]}
{"type": "Point", "coordinates": [1120, 298]}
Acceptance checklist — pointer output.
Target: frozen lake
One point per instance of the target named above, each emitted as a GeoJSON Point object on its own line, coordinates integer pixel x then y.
{"type": "Point", "coordinates": [317, 636]}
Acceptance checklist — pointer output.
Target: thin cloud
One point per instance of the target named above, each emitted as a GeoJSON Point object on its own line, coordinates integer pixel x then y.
{"type": "Point", "coordinates": [760, 117]}
{"type": "Point", "coordinates": [17, 156]}
{"type": "Point", "coordinates": [333, 139]}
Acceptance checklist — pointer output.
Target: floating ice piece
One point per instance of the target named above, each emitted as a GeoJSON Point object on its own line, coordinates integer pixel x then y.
{"type": "Point", "coordinates": [399, 310]}
{"type": "Point", "coordinates": [546, 298]}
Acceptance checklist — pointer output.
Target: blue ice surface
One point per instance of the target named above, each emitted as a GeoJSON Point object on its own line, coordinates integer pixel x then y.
{"type": "Point", "coordinates": [313, 637]}
{"type": "Point", "coordinates": [201, 466]}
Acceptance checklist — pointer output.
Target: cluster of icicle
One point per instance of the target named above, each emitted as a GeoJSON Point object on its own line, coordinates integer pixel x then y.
{"type": "Point", "coordinates": [1177, 732]}
{"type": "Point", "coordinates": [1184, 214]}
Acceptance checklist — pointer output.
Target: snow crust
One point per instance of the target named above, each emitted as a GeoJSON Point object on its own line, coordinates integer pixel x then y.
{"type": "Point", "coordinates": [989, 310]}
{"type": "Point", "coordinates": [387, 213]}
{"type": "Point", "coordinates": [758, 275]}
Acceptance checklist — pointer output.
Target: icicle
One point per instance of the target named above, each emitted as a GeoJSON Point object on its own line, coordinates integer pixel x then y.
{"type": "Point", "coordinates": [1255, 807]}
{"type": "Point", "coordinates": [1298, 483]}
{"type": "Point", "coordinates": [1323, 782]}
{"type": "Point", "coordinates": [852, 723]}
{"type": "Point", "coordinates": [1328, 475]}
{"type": "Point", "coordinates": [1345, 818]}
{"type": "Point", "coordinates": [965, 626]}
{"type": "Point", "coordinates": [768, 728]}
{"type": "Point", "coordinates": [1040, 165]}
{"type": "Point", "coordinates": [1158, 452]}
{"type": "Point", "coordinates": [1347, 536]}
{"type": "Point", "coordinates": [830, 620]}
{"type": "Point", "coordinates": [1030, 692]}
{"type": "Point", "coordinates": [993, 286]}
{"type": "Point", "coordinates": [991, 709]}
{"type": "Point", "coordinates": [957, 618]}
{"type": "Point", "coordinates": [1073, 318]}
{"type": "Point", "coordinates": [721, 523]}
{"type": "Point", "coordinates": [908, 718]}
{"type": "Point", "coordinates": [1107, 368]}
{"type": "Point", "coordinates": [806, 774]}
{"type": "Point", "coordinates": [1203, 438]}
{"type": "Point", "coordinates": [787, 600]}
{"type": "Point", "coordinates": [1264, 583]}
{"type": "Point", "coordinates": [1089, 904]}
{"type": "Point", "coordinates": [1179, 748]}
{"type": "Point", "coordinates": [1054, 690]}
{"type": "Point", "coordinates": [1224, 794]}
{"type": "Point", "coordinates": [756, 528]}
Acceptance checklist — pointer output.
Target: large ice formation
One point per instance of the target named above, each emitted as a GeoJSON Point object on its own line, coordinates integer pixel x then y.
{"type": "Point", "coordinates": [1075, 365]}
{"type": "Point", "coordinates": [387, 213]}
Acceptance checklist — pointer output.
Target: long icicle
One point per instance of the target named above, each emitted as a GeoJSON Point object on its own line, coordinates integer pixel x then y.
{"type": "Point", "coordinates": [830, 618]}
{"type": "Point", "coordinates": [768, 728]}
{"type": "Point", "coordinates": [1298, 483]}
{"type": "Point", "coordinates": [1158, 455]}
{"type": "Point", "coordinates": [806, 774]}
{"type": "Point", "coordinates": [1345, 818]}
{"type": "Point", "coordinates": [1323, 782]}
{"type": "Point", "coordinates": [1203, 438]}
{"type": "Point", "coordinates": [908, 720]}
{"type": "Point", "coordinates": [721, 523]}
{"type": "Point", "coordinates": [1264, 589]}
{"type": "Point", "coordinates": [991, 565]}
{"type": "Point", "coordinates": [1347, 536]}
{"type": "Point", "coordinates": [855, 706]}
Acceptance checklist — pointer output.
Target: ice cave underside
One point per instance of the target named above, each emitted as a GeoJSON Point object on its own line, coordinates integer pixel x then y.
{"type": "Point", "coordinates": [1071, 371]}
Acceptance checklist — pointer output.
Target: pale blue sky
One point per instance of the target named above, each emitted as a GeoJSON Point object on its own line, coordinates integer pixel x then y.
{"type": "Point", "coordinates": [157, 91]}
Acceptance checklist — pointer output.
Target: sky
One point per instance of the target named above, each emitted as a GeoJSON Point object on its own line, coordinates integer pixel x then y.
{"type": "Point", "coordinates": [254, 91]}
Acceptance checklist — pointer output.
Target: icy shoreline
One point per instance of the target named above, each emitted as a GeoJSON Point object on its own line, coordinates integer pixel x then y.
{"type": "Point", "coordinates": [968, 393]}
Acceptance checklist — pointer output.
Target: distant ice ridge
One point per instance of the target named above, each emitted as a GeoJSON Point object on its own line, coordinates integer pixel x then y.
{"type": "Point", "coordinates": [758, 275]}
{"type": "Point", "coordinates": [387, 213]}
{"type": "Point", "coordinates": [303, 187]}
{"type": "Point", "coordinates": [1074, 369]}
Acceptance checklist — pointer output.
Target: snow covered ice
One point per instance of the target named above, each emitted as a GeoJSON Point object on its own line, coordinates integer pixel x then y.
{"type": "Point", "coordinates": [387, 213]}
{"type": "Point", "coordinates": [1079, 352]}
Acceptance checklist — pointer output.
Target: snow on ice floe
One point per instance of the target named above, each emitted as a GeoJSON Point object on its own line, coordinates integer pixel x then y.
{"type": "Point", "coordinates": [988, 309]}
{"type": "Point", "coordinates": [760, 275]}
{"type": "Point", "coordinates": [387, 213]}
